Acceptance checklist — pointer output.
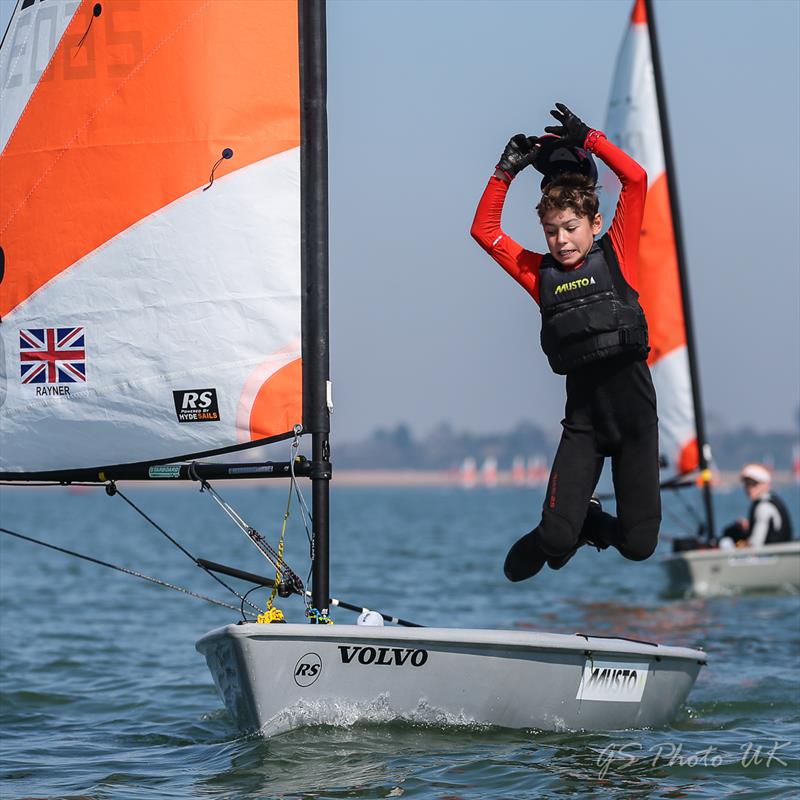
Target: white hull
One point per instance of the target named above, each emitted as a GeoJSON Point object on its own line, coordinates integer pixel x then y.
{"type": "Point", "coordinates": [278, 677]}
{"type": "Point", "coordinates": [773, 567]}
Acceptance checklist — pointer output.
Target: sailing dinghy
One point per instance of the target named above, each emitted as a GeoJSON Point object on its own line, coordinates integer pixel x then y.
{"type": "Point", "coordinates": [164, 230]}
{"type": "Point", "coordinates": [710, 572]}
{"type": "Point", "coordinates": [637, 122]}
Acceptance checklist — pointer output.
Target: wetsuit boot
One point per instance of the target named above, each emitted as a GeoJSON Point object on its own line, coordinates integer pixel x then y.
{"type": "Point", "coordinates": [588, 536]}
{"type": "Point", "coordinates": [525, 558]}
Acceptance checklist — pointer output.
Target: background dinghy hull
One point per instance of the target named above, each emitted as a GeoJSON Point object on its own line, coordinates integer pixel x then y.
{"type": "Point", "coordinates": [278, 677]}
{"type": "Point", "coordinates": [706, 573]}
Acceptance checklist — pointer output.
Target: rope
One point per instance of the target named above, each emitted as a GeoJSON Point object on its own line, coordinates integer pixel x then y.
{"type": "Point", "coordinates": [318, 617]}
{"type": "Point", "coordinates": [305, 514]}
{"type": "Point", "coordinates": [112, 489]}
{"type": "Point", "coordinates": [275, 614]}
{"type": "Point", "coordinates": [119, 569]}
{"type": "Point", "coordinates": [264, 547]}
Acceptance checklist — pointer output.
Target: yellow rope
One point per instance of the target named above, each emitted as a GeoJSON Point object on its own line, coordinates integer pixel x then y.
{"type": "Point", "coordinates": [275, 614]}
{"type": "Point", "coordinates": [270, 615]}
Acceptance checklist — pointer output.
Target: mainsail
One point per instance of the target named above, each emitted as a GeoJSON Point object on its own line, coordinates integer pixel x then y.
{"type": "Point", "coordinates": [633, 124]}
{"type": "Point", "coordinates": [150, 207]}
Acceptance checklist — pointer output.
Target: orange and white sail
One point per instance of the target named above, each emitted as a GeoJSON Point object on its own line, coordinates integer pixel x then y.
{"type": "Point", "coordinates": [148, 313]}
{"type": "Point", "coordinates": [633, 124]}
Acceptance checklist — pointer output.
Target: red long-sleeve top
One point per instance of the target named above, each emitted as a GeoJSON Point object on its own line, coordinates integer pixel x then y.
{"type": "Point", "coordinates": [523, 265]}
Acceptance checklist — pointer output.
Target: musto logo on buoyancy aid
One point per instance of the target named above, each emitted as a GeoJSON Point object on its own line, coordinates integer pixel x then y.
{"type": "Point", "coordinates": [382, 656]}
{"type": "Point", "coordinates": [570, 286]}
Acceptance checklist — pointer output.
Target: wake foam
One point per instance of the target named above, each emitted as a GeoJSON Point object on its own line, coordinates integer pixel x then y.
{"type": "Point", "coordinates": [347, 713]}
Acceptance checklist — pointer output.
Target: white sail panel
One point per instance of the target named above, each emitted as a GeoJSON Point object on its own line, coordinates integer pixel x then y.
{"type": "Point", "coordinates": [149, 313]}
{"type": "Point", "coordinates": [159, 316]}
{"type": "Point", "coordinates": [675, 414]}
{"type": "Point", "coordinates": [30, 41]}
{"type": "Point", "coordinates": [633, 124]}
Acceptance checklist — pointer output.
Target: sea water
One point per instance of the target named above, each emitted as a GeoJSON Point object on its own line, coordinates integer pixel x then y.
{"type": "Point", "coordinates": [104, 696]}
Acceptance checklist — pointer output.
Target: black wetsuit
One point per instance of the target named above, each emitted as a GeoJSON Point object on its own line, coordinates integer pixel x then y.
{"type": "Point", "coordinates": [610, 412]}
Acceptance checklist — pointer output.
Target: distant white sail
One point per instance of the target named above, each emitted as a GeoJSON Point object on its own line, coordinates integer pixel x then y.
{"type": "Point", "coordinates": [468, 474]}
{"type": "Point", "coordinates": [633, 124]}
{"type": "Point", "coordinates": [518, 471]}
{"type": "Point", "coordinates": [143, 317]}
{"type": "Point", "coordinates": [489, 475]}
{"type": "Point", "coordinates": [536, 472]}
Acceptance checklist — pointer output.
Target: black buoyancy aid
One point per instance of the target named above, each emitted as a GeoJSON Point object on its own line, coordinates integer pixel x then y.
{"type": "Point", "coordinates": [774, 534]}
{"type": "Point", "coordinates": [589, 313]}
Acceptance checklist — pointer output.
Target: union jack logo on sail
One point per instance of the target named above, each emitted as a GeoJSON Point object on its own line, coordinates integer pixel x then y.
{"type": "Point", "coordinates": [52, 355]}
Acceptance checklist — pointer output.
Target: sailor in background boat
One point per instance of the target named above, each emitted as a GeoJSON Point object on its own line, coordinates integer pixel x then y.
{"type": "Point", "coordinates": [594, 332]}
{"type": "Point", "coordinates": [768, 521]}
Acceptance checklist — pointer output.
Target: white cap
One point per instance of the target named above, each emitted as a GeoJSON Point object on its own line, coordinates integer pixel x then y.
{"type": "Point", "coordinates": [756, 472]}
{"type": "Point", "coordinates": [370, 618]}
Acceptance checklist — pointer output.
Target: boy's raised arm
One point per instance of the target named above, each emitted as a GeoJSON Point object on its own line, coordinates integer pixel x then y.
{"type": "Point", "coordinates": [521, 264]}
{"type": "Point", "coordinates": [626, 226]}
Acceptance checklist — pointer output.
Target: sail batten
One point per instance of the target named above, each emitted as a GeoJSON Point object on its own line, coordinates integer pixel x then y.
{"type": "Point", "coordinates": [151, 305]}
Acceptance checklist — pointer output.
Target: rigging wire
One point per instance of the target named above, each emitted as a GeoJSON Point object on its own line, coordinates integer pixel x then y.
{"type": "Point", "coordinates": [289, 576]}
{"type": "Point", "coordinates": [286, 580]}
{"type": "Point", "coordinates": [121, 569]}
{"type": "Point", "coordinates": [112, 489]}
{"type": "Point", "coordinates": [241, 607]}
{"type": "Point", "coordinates": [305, 514]}
{"type": "Point", "coordinates": [691, 511]}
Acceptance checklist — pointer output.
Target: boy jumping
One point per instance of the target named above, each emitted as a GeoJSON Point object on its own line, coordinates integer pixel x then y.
{"type": "Point", "coordinates": [593, 331]}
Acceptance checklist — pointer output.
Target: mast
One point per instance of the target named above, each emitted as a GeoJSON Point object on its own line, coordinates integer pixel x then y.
{"type": "Point", "coordinates": [704, 450]}
{"type": "Point", "coordinates": [314, 261]}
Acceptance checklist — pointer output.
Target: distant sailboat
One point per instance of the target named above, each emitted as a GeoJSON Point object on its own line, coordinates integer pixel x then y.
{"type": "Point", "coordinates": [518, 471]}
{"type": "Point", "coordinates": [489, 475]}
{"type": "Point", "coordinates": [537, 472]}
{"type": "Point", "coordinates": [468, 474]}
{"type": "Point", "coordinates": [637, 123]}
{"type": "Point", "coordinates": [163, 180]}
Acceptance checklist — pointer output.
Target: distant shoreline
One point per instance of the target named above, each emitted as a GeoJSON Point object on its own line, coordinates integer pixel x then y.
{"type": "Point", "coordinates": [723, 479]}
{"type": "Point", "coordinates": [408, 478]}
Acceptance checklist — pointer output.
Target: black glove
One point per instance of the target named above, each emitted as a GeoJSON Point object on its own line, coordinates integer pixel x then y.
{"type": "Point", "coordinates": [572, 129]}
{"type": "Point", "coordinates": [519, 152]}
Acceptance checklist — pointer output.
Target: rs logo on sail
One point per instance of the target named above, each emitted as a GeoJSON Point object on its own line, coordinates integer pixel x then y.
{"type": "Point", "coordinates": [383, 656]}
{"type": "Point", "coordinates": [196, 405]}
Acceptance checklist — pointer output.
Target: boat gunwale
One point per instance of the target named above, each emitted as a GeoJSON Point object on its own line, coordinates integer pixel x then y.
{"type": "Point", "coordinates": [521, 640]}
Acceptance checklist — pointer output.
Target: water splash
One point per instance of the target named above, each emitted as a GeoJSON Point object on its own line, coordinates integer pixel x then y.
{"type": "Point", "coordinates": [346, 714]}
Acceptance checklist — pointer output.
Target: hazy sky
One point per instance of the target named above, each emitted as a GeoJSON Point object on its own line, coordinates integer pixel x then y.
{"type": "Point", "coordinates": [424, 94]}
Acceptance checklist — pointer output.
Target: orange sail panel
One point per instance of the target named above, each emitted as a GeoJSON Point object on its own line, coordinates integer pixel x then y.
{"type": "Point", "coordinates": [149, 217]}
{"type": "Point", "coordinates": [633, 124]}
